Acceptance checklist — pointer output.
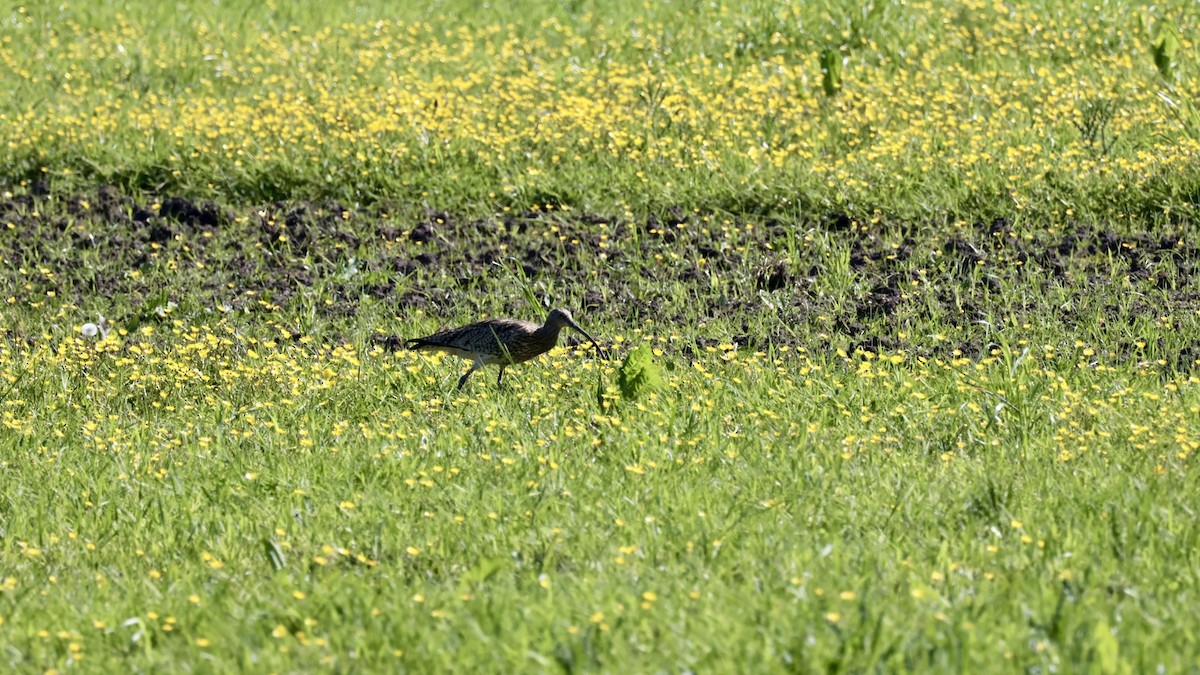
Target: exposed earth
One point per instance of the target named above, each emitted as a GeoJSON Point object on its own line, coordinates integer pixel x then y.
{"type": "Point", "coordinates": [935, 289]}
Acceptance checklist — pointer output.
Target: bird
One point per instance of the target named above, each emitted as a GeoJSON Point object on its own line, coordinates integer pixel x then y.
{"type": "Point", "coordinates": [502, 341]}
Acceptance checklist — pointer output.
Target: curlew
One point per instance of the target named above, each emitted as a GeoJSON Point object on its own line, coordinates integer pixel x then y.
{"type": "Point", "coordinates": [502, 341]}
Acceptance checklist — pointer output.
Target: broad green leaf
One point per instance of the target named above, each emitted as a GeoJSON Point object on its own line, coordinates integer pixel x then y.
{"type": "Point", "coordinates": [831, 71]}
{"type": "Point", "coordinates": [1107, 648]}
{"type": "Point", "coordinates": [274, 554]}
{"type": "Point", "coordinates": [638, 373]}
{"type": "Point", "coordinates": [1164, 51]}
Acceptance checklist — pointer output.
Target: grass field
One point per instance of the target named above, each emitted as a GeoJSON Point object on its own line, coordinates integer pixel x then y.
{"type": "Point", "coordinates": [918, 279]}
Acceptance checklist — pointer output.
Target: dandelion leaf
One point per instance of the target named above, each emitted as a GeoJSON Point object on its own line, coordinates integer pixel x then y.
{"type": "Point", "coordinates": [1106, 649]}
{"type": "Point", "coordinates": [1165, 50]}
{"type": "Point", "coordinates": [638, 373]}
{"type": "Point", "coordinates": [831, 71]}
{"type": "Point", "coordinates": [274, 554]}
{"type": "Point", "coordinates": [484, 571]}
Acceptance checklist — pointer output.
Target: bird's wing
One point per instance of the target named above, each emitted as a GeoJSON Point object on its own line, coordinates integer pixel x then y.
{"type": "Point", "coordinates": [482, 336]}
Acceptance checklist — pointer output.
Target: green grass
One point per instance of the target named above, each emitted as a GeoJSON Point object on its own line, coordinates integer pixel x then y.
{"type": "Point", "coordinates": [928, 342]}
{"type": "Point", "coordinates": [1031, 109]}
{"type": "Point", "coordinates": [897, 516]}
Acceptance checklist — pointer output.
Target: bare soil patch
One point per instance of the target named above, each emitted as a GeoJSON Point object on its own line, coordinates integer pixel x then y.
{"type": "Point", "coordinates": [761, 283]}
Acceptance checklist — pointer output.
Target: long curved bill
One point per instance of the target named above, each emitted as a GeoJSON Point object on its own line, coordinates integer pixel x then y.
{"type": "Point", "coordinates": [599, 349]}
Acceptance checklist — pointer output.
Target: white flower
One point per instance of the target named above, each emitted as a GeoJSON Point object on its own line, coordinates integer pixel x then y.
{"type": "Point", "coordinates": [91, 330]}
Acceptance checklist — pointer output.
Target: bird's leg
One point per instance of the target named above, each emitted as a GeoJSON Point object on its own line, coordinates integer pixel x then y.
{"type": "Point", "coordinates": [463, 380]}
{"type": "Point", "coordinates": [501, 377]}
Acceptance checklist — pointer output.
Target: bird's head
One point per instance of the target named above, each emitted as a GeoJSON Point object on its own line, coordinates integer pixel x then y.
{"type": "Point", "coordinates": [561, 318]}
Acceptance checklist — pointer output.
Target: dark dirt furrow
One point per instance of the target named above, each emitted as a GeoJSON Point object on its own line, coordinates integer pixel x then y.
{"type": "Point", "coordinates": [825, 282]}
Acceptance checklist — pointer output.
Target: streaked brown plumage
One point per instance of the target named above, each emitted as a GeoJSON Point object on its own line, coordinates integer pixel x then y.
{"type": "Point", "coordinates": [502, 341]}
